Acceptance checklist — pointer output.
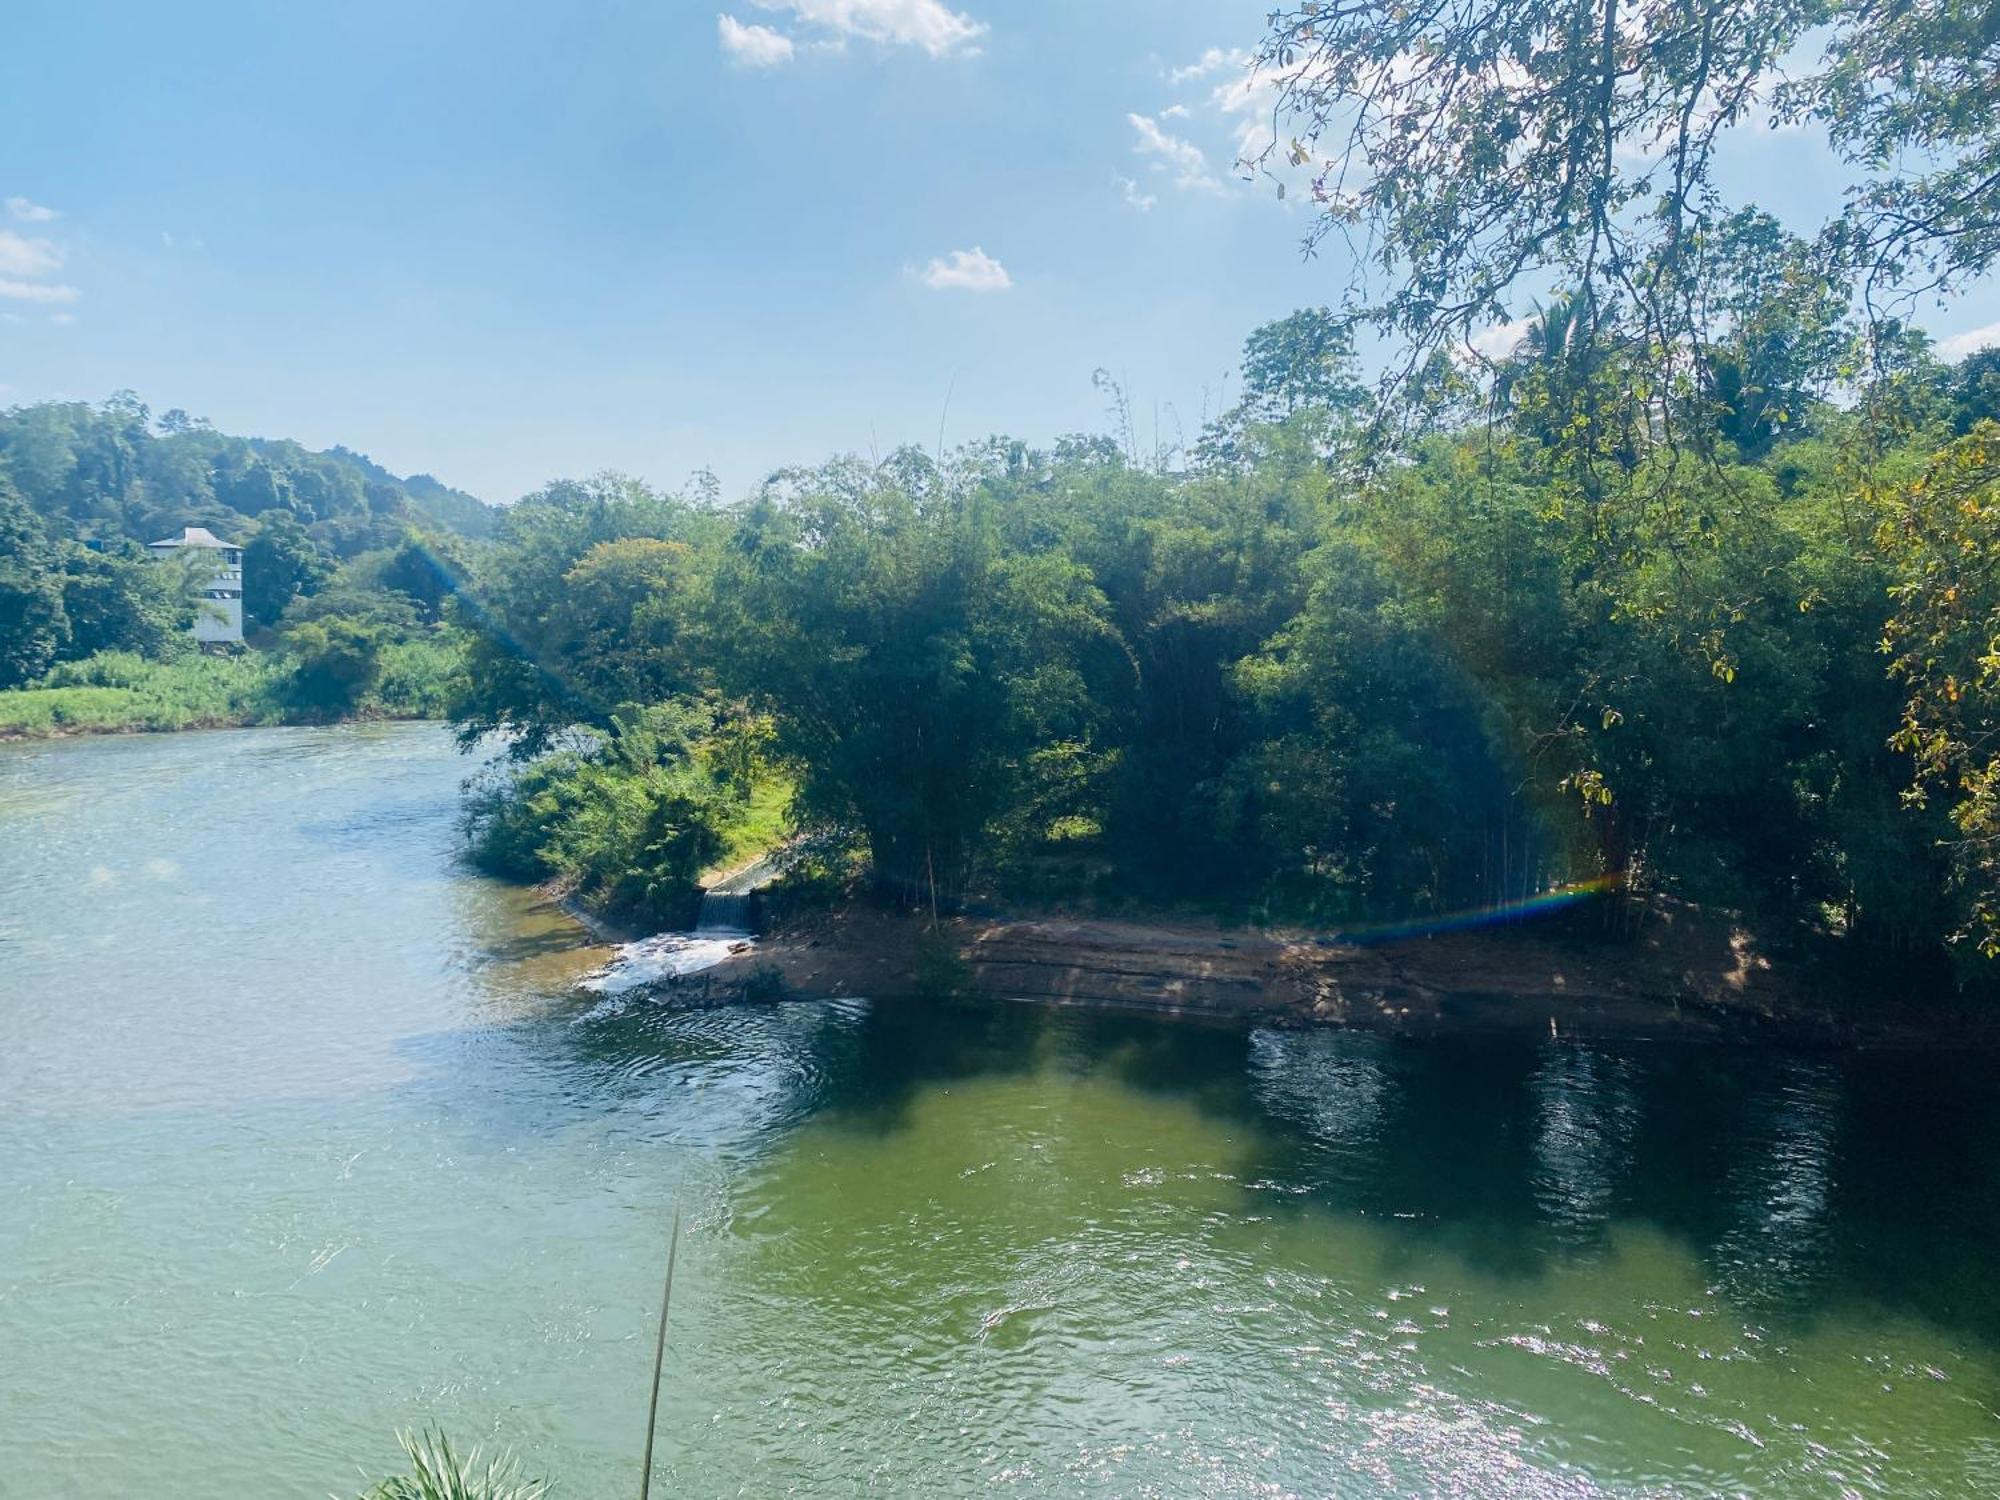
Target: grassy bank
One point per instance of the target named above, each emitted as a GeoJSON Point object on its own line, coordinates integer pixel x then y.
{"type": "Point", "coordinates": [118, 692]}
{"type": "Point", "coordinates": [759, 826]}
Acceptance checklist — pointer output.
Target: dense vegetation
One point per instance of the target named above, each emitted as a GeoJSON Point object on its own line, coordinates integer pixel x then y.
{"type": "Point", "coordinates": [346, 569]}
{"type": "Point", "coordinates": [1300, 670]}
{"type": "Point", "coordinates": [1679, 575]}
{"type": "Point", "coordinates": [1293, 672]}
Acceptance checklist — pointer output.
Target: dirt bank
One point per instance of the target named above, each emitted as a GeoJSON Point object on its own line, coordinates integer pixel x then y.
{"type": "Point", "coordinates": [1683, 974]}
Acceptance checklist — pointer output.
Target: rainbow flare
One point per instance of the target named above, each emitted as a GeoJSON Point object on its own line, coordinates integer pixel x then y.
{"type": "Point", "coordinates": [1479, 916]}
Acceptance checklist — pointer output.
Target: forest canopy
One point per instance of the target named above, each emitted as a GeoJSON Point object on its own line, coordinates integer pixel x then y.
{"type": "Point", "coordinates": [1294, 671]}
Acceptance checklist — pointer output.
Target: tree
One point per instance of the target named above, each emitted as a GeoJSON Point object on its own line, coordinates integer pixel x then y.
{"type": "Point", "coordinates": [912, 668]}
{"type": "Point", "coordinates": [336, 663]}
{"type": "Point", "coordinates": [123, 601]}
{"type": "Point", "coordinates": [1300, 368]}
{"type": "Point", "coordinates": [33, 626]}
{"type": "Point", "coordinates": [281, 564]}
{"type": "Point", "coordinates": [1944, 537]}
{"type": "Point", "coordinates": [1474, 152]}
{"type": "Point", "coordinates": [428, 571]}
{"type": "Point", "coordinates": [523, 628]}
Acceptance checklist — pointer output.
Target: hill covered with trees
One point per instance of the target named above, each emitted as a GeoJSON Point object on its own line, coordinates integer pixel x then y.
{"type": "Point", "coordinates": [342, 560]}
{"type": "Point", "coordinates": [113, 471]}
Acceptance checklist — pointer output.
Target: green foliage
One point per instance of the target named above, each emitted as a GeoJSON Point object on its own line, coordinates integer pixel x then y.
{"type": "Point", "coordinates": [281, 564]}
{"type": "Point", "coordinates": [119, 691]}
{"type": "Point", "coordinates": [1313, 676]}
{"type": "Point", "coordinates": [438, 1472]}
{"type": "Point", "coordinates": [33, 624]}
{"type": "Point", "coordinates": [1300, 371]}
{"type": "Point", "coordinates": [628, 823]}
{"type": "Point", "coordinates": [420, 676]}
{"type": "Point", "coordinates": [1483, 150]}
{"type": "Point", "coordinates": [110, 471]}
{"type": "Point", "coordinates": [122, 600]}
{"type": "Point", "coordinates": [911, 663]}
{"type": "Point", "coordinates": [427, 571]}
{"type": "Point", "coordinates": [762, 823]}
{"type": "Point", "coordinates": [576, 613]}
{"type": "Point", "coordinates": [1943, 534]}
{"type": "Point", "coordinates": [336, 663]}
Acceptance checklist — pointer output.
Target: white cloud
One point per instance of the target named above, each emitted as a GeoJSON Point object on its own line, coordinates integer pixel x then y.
{"type": "Point", "coordinates": [1214, 60]}
{"type": "Point", "coordinates": [36, 291]}
{"type": "Point", "coordinates": [752, 45]}
{"type": "Point", "coordinates": [1970, 342]}
{"type": "Point", "coordinates": [929, 24]}
{"type": "Point", "coordinates": [25, 265]}
{"type": "Point", "coordinates": [28, 212]}
{"type": "Point", "coordinates": [1502, 339]}
{"type": "Point", "coordinates": [967, 271]}
{"type": "Point", "coordinates": [1174, 112]}
{"type": "Point", "coordinates": [1141, 201]}
{"type": "Point", "coordinates": [1183, 158]}
{"type": "Point", "coordinates": [1254, 99]}
{"type": "Point", "coordinates": [62, 319]}
{"type": "Point", "coordinates": [21, 256]}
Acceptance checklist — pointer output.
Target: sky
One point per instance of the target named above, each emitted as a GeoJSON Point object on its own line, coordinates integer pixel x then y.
{"type": "Point", "coordinates": [508, 242]}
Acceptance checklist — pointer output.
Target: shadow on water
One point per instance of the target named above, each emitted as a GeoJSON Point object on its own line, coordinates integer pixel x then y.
{"type": "Point", "coordinates": [1802, 1183]}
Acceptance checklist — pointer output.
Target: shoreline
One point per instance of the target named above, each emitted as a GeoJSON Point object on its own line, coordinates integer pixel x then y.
{"type": "Point", "coordinates": [1685, 976]}
{"type": "Point", "coordinates": [14, 734]}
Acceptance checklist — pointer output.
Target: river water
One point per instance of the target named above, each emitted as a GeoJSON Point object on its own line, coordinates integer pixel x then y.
{"type": "Point", "coordinates": [304, 1138]}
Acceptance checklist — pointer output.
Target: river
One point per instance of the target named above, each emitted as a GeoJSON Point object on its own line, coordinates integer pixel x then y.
{"type": "Point", "coordinates": [304, 1138]}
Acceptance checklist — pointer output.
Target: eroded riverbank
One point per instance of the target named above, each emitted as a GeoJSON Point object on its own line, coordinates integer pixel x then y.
{"type": "Point", "coordinates": [1681, 975]}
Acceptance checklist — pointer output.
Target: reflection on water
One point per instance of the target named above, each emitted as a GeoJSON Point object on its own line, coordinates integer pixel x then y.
{"type": "Point", "coordinates": [304, 1136]}
{"type": "Point", "coordinates": [1586, 1113]}
{"type": "Point", "coordinates": [1781, 1184]}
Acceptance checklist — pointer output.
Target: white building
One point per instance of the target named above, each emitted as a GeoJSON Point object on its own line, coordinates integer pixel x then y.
{"type": "Point", "coordinates": [220, 620]}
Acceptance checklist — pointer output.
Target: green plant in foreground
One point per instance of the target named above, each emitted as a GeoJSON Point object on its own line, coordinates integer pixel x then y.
{"type": "Point", "coordinates": [438, 1473]}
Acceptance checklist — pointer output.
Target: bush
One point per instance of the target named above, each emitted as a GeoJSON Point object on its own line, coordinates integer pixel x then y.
{"type": "Point", "coordinates": [629, 824]}
{"type": "Point", "coordinates": [419, 676]}
{"type": "Point", "coordinates": [118, 690]}
{"type": "Point", "coordinates": [336, 664]}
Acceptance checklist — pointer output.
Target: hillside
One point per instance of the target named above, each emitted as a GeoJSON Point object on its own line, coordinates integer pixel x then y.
{"type": "Point", "coordinates": [114, 470]}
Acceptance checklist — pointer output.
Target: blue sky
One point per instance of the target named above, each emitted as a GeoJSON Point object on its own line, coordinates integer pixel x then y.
{"type": "Point", "coordinates": [505, 242]}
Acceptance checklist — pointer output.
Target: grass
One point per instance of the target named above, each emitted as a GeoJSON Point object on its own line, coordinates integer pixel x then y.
{"type": "Point", "coordinates": [118, 691]}
{"type": "Point", "coordinates": [761, 827]}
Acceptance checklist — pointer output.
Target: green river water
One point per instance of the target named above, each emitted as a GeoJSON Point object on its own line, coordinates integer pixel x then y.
{"type": "Point", "coordinates": [304, 1137]}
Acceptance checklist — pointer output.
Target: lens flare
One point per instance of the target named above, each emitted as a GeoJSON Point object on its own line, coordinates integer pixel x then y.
{"type": "Point", "coordinates": [1496, 915]}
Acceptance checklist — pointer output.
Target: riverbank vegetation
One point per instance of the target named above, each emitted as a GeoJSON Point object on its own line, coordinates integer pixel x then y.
{"type": "Point", "coordinates": [1289, 672]}
{"type": "Point", "coordinates": [120, 692]}
{"type": "Point", "coordinates": [346, 570]}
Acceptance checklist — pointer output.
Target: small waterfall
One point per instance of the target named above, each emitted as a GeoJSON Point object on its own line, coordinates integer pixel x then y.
{"type": "Point", "coordinates": [721, 930]}
{"type": "Point", "coordinates": [723, 912]}
{"type": "Point", "coordinates": [726, 905]}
